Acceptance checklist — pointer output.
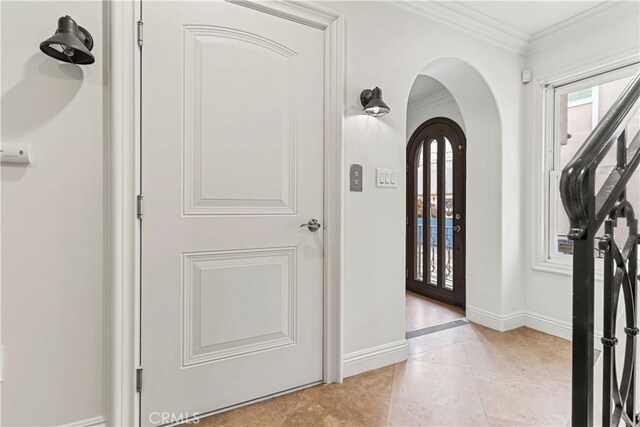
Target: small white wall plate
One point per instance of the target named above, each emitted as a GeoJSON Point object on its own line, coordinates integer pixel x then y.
{"type": "Point", "coordinates": [15, 153]}
{"type": "Point", "coordinates": [386, 178]}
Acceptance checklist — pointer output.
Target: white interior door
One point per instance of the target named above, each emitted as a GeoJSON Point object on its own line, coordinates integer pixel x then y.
{"type": "Point", "coordinates": [232, 164]}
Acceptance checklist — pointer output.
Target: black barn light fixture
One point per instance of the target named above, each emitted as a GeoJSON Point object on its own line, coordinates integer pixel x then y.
{"type": "Point", "coordinates": [71, 43]}
{"type": "Point", "coordinates": [372, 102]}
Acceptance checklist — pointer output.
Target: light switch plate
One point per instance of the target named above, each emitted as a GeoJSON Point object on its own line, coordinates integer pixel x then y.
{"type": "Point", "coordinates": [386, 178]}
{"type": "Point", "coordinates": [355, 177]}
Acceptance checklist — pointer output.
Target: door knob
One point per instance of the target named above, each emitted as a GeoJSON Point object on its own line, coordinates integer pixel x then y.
{"type": "Point", "coordinates": [313, 225]}
{"type": "Point", "coordinates": [457, 228]}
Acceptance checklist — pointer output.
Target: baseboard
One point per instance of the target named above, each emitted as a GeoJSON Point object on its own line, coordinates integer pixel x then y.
{"type": "Point", "coordinates": [495, 321]}
{"type": "Point", "coordinates": [374, 357]}
{"type": "Point", "coordinates": [89, 422]}
{"type": "Point", "coordinates": [549, 325]}
{"type": "Point", "coordinates": [539, 322]}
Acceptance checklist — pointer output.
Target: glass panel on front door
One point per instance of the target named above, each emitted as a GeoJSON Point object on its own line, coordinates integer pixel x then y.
{"type": "Point", "coordinates": [448, 215]}
{"type": "Point", "coordinates": [433, 213]}
{"type": "Point", "coordinates": [427, 213]}
{"type": "Point", "coordinates": [419, 227]}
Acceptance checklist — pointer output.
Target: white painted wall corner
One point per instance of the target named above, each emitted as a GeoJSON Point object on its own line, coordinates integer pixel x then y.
{"type": "Point", "coordinates": [506, 322]}
{"type": "Point", "coordinates": [499, 322]}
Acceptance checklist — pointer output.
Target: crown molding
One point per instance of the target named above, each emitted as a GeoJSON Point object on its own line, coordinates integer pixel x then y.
{"type": "Point", "coordinates": [471, 22]}
{"type": "Point", "coordinates": [306, 13]}
{"type": "Point", "coordinates": [598, 16]}
{"type": "Point", "coordinates": [465, 19]}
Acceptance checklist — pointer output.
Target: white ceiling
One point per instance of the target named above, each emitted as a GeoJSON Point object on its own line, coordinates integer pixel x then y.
{"type": "Point", "coordinates": [530, 17]}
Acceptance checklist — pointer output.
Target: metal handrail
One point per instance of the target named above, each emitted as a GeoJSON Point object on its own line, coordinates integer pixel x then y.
{"type": "Point", "coordinates": [574, 188]}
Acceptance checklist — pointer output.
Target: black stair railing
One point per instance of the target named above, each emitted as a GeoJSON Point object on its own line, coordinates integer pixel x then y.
{"type": "Point", "coordinates": [588, 208]}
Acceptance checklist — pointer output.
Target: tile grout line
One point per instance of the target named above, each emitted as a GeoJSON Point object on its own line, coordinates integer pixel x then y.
{"type": "Point", "coordinates": [477, 387]}
{"type": "Point", "coordinates": [475, 381]}
{"type": "Point", "coordinates": [294, 406]}
{"type": "Point", "coordinates": [471, 370]}
{"type": "Point", "coordinates": [393, 381]}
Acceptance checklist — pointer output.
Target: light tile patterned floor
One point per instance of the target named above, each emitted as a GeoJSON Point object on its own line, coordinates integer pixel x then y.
{"type": "Point", "coordinates": [465, 376]}
{"type": "Point", "coordinates": [422, 312]}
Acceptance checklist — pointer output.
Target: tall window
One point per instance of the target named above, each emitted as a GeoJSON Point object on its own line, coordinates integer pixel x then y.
{"type": "Point", "coordinates": [577, 109]}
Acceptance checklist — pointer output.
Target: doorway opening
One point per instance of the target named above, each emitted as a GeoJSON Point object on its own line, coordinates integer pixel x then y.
{"type": "Point", "coordinates": [435, 279]}
{"type": "Point", "coordinates": [451, 93]}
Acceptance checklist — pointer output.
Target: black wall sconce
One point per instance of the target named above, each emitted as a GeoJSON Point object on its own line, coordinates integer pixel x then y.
{"type": "Point", "coordinates": [71, 43]}
{"type": "Point", "coordinates": [372, 102]}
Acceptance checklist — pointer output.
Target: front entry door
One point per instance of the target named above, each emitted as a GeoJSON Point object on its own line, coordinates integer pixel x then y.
{"type": "Point", "coordinates": [436, 211]}
{"type": "Point", "coordinates": [232, 149]}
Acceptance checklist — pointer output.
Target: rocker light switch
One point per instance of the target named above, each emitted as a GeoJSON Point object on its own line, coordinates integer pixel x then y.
{"type": "Point", "coordinates": [355, 177]}
{"type": "Point", "coordinates": [386, 178]}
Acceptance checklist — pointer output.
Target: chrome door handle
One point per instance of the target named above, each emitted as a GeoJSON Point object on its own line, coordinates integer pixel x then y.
{"type": "Point", "coordinates": [313, 225]}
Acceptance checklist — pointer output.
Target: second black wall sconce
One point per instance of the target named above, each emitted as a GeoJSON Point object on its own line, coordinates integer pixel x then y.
{"type": "Point", "coordinates": [371, 100]}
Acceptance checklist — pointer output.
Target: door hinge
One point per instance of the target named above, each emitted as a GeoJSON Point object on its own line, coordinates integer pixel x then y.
{"type": "Point", "coordinates": [139, 380]}
{"type": "Point", "coordinates": [140, 33]}
{"type": "Point", "coordinates": [407, 273]}
{"type": "Point", "coordinates": [139, 206]}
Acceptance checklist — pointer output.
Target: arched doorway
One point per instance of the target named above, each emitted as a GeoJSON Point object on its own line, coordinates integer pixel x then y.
{"type": "Point", "coordinates": [436, 176]}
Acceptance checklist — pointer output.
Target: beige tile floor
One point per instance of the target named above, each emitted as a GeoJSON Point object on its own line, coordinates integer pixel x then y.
{"type": "Point", "coordinates": [422, 312]}
{"type": "Point", "coordinates": [464, 376]}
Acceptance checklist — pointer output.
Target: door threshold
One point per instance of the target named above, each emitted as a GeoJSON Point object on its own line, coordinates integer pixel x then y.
{"type": "Point", "coordinates": [437, 328]}
{"type": "Point", "coordinates": [240, 405]}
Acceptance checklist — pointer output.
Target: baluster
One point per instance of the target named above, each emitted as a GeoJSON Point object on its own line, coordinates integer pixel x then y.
{"type": "Point", "coordinates": [621, 152]}
{"type": "Point", "coordinates": [609, 321]}
{"type": "Point", "coordinates": [633, 274]}
{"type": "Point", "coordinates": [583, 316]}
{"type": "Point", "coordinates": [621, 159]}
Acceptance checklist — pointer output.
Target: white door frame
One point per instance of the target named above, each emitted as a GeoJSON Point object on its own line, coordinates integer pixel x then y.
{"type": "Point", "coordinates": [123, 294]}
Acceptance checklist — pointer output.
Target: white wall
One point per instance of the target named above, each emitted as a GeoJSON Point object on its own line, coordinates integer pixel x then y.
{"type": "Point", "coordinates": [548, 291]}
{"type": "Point", "coordinates": [53, 225]}
{"type": "Point", "coordinates": [375, 219]}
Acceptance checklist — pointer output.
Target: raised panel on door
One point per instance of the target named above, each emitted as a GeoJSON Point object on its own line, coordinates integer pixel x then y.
{"type": "Point", "coordinates": [222, 289]}
{"type": "Point", "coordinates": [232, 167]}
{"type": "Point", "coordinates": [232, 149]}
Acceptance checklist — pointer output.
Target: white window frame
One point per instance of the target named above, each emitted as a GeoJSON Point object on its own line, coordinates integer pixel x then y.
{"type": "Point", "coordinates": [552, 171]}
